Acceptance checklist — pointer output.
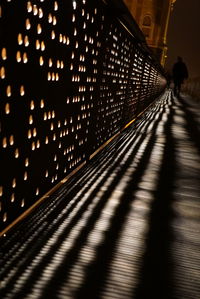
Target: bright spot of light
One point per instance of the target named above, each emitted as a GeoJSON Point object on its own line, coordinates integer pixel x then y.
{"type": "Point", "coordinates": [74, 4]}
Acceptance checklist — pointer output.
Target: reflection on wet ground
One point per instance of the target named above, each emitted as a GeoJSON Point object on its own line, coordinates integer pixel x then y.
{"type": "Point", "coordinates": [127, 226]}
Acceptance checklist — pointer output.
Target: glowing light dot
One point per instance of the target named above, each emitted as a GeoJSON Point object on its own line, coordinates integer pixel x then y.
{"type": "Point", "coordinates": [54, 21]}
{"type": "Point", "coordinates": [22, 90]}
{"type": "Point", "coordinates": [74, 5]}
{"type": "Point", "coordinates": [42, 46]}
{"type": "Point", "coordinates": [53, 35]}
{"type": "Point", "coordinates": [25, 176]}
{"type": "Point", "coordinates": [29, 6]}
{"type": "Point", "coordinates": [55, 5]}
{"type": "Point", "coordinates": [2, 72]}
{"type": "Point", "coordinates": [16, 153]}
{"type": "Point", "coordinates": [8, 91]}
{"type": "Point", "coordinates": [4, 142]}
{"type": "Point", "coordinates": [39, 29]}
{"type": "Point", "coordinates": [50, 19]}
{"type": "Point", "coordinates": [30, 120]}
{"type": "Point", "coordinates": [4, 54]}
{"type": "Point", "coordinates": [7, 108]}
{"type": "Point", "coordinates": [42, 103]}
{"type": "Point", "coordinates": [11, 140]}
{"type": "Point", "coordinates": [26, 41]}
{"type": "Point", "coordinates": [41, 60]}
{"type": "Point", "coordinates": [40, 13]}
{"type": "Point", "coordinates": [29, 134]}
{"type": "Point", "coordinates": [35, 10]}
{"type": "Point", "coordinates": [4, 217]}
{"type": "Point", "coordinates": [20, 39]}
{"type": "Point", "coordinates": [26, 162]}
{"type": "Point", "coordinates": [37, 44]}
{"type": "Point", "coordinates": [28, 24]}
{"type": "Point", "coordinates": [25, 58]}
{"type": "Point", "coordinates": [50, 62]}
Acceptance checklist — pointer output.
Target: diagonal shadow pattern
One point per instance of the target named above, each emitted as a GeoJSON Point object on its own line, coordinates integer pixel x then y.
{"type": "Point", "coordinates": [63, 197]}
{"type": "Point", "coordinates": [157, 267]}
{"type": "Point", "coordinates": [191, 125]}
{"type": "Point", "coordinates": [96, 213]}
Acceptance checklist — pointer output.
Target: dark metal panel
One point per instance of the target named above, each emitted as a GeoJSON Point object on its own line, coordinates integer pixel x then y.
{"type": "Point", "coordinates": [71, 76]}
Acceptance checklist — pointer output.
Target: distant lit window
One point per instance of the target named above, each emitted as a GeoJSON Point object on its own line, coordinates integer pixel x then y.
{"type": "Point", "coordinates": [146, 26]}
{"type": "Point", "coordinates": [147, 21]}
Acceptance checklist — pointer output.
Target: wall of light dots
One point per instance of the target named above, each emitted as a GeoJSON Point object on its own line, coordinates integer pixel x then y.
{"type": "Point", "coordinates": [71, 76]}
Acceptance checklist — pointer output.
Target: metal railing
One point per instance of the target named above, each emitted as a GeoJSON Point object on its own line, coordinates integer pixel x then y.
{"type": "Point", "coordinates": [72, 75]}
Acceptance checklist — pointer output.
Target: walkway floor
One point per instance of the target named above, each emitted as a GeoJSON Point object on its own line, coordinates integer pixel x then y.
{"type": "Point", "coordinates": [127, 226]}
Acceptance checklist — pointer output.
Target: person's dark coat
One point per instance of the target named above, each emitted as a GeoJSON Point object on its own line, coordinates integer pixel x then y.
{"type": "Point", "coordinates": [180, 72]}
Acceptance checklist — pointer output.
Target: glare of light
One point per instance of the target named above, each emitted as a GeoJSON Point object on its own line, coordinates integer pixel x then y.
{"type": "Point", "coordinates": [74, 5]}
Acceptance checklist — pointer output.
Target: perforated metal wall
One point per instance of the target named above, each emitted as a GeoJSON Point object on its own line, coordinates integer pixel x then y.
{"type": "Point", "coordinates": [71, 76]}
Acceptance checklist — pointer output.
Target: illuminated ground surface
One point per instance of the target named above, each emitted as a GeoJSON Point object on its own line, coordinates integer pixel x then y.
{"type": "Point", "coordinates": [128, 226]}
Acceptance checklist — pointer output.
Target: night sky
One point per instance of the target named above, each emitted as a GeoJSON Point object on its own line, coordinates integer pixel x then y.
{"type": "Point", "coordinates": [184, 35]}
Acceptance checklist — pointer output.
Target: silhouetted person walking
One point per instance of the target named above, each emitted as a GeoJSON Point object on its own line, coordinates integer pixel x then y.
{"type": "Point", "coordinates": [180, 73]}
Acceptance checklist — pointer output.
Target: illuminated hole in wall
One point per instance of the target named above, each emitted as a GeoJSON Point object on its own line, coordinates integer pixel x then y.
{"type": "Point", "coordinates": [50, 18]}
{"type": "Point", "coordinates": [39, 29]}
{"type": "Point", "coordinates": [17, 153]}
{"type": "Point", "coordinates": [28, 24]}
{"type": "Point", "coordinates": [25, 58]}
{"type": "Point", "coordinates": [30, 120]}
{"type": "Point", "coordinates": [42, 103]}
{"type": "Point", "coordinates": [74, 4]}
{"type": "Point", "coordinates": [64, 39]}
{"type": "Point", "coordinates": [35, 10]}
{"type": "Point", "coordinates": [25, 176]}
{"type": "Point", "coordinates": [11, 140]}
{"type": "Point", "coordinates": [2, 72]}
{"type": "Point", "coordinates": [42, 46]}
{"type": "Point", "coordinates": [53, 35]}
{"type": "Point", "coordinates": [4, 142]}
{"type": "Point", "coordinates": [1, 190]}
{"type": "Point", "coordinates": [49, 76]}
{"type": "Point", "coordinates": [54, 20]}
{"type": "Point", "coordinates": [37, 191]}
{"type": "Point", "coordinates": [4, 54]}
{"type": "Point", "coordinates": [40, 13]}
{"type": "Point", "coordinates": [22, 90]}
{"type": "Point", "coordinates": [55, 5]}
{"type": "Point", "coordinates": [4, 217]}
{"type": "Point", "coordinates": [20, 39]}
{"type": "Point", "coordinates": [29, 134]}
{"type": "Point", "coordinates": [37, 44]}
{"type": "Point", "coordinates": [8, 91]}
{"type": "Point", "coordinates": [29, 6]}
{"type": "Point", "coordinates": [26, 163]}
{"type": "Point", "coordinates": [41, 60]}
{"type": "Point", "coordinates": [7, 108]}
{"type": "Point", "coordinates": [26, 41]}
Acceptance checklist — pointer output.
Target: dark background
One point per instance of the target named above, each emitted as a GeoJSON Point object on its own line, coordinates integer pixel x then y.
{"type": "Point", "coordinates": [184, 35]}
